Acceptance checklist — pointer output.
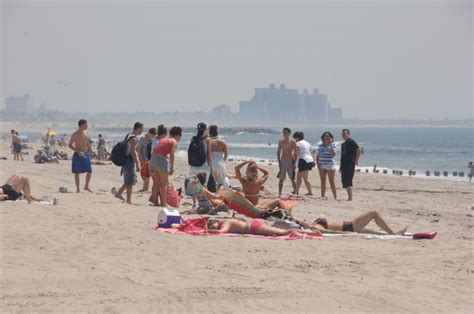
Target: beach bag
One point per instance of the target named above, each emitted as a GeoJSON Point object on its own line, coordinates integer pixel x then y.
{"type": "Point", "coordinates": [119, 155]}
{"type": "Point", "coordinates": [197, 154]}
{"type": "Point", "coordinates": [172, 197]}
{"type": "Point", "coordinates": [144, 170]}
{"type": "Point", "coordinates": [192, 186]}
{"type": "Point", "coordinates": [211, 184]}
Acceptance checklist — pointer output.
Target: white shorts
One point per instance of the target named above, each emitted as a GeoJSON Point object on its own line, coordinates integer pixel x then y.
{"type": "Point", "coordinates": [328, 167]}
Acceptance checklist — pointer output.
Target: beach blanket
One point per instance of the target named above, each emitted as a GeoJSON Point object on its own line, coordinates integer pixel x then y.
{"type": "Point", "coordinates": [195, 227]}
{"type": "Point", "coordinates": [407, 236]}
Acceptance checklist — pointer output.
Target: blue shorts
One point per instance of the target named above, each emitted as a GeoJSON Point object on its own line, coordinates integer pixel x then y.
{"type": "Point", "coordinates": [81, 164]}
{"type": "Point", "coordinates": [159, 163]}
{"type": "Point", "coordinates": [129, 173]}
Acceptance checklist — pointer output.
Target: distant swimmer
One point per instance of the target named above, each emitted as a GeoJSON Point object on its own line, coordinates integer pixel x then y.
{"type": "Point", "coordinates": [81, 160]}
{"type": "Point", "coordinates": [470, 166]}
{"type": "Point", "coordinates": [286, 156]}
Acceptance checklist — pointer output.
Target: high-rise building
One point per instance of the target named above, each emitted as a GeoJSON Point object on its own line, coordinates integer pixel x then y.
{"type": "Point", "coordinates": [285, 105]}
{"type": "Point", "coordinates": [17, 105]}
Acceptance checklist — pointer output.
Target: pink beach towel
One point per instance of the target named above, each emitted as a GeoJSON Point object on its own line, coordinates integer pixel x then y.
{"type": "Point", "coordinates": [196, 227]}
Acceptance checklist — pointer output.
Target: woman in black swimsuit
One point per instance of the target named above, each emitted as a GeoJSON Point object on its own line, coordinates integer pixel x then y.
{"type": "Point", "coordinates": [16, 188]}
{"type": "Point", "coordinates": [358, 224]}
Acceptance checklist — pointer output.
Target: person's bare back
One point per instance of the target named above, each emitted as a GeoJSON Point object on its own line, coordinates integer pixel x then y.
{"type": "Point", "coordinates": [218, 145]}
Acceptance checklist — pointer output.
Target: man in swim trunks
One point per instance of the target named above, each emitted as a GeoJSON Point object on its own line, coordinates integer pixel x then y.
{"type": "Point", "coordinates": [81, 161]}
{"type": "Point", "coordinates": [286, 155]}
{"type": "Point", "coordinates": [16, 187]}
{"type": "Point", "coordinates": [16, 143]}
{"type": "Point", "coordinates": [255, 226]}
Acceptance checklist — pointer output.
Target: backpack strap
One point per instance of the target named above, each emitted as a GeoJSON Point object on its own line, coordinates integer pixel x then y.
{"type": "Point", "coordinates": [128, 137]}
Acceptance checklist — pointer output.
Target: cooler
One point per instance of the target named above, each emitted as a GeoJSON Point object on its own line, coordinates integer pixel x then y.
{"type": "Point", "coordinates": [167, 217]}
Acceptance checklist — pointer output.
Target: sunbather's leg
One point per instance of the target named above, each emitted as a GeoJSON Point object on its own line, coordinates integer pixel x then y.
{"type": "Point", "coordinates": [22, 184]}
{"type": "Point", "coordinates": [364, 219]}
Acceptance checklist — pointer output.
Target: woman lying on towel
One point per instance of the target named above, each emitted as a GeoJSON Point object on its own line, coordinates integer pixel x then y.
{"type": "Point", "coordinates": [358, 224]}
{"type": "Point", "coordinates": [252, 184]}
{"type": "Point", "coordinates": [254, 226]}
{"type": "Point", "coordinates": [16, 188]}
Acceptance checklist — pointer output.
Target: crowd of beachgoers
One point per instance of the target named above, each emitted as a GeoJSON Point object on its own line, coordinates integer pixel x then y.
{"type": "Point", "coordinates": [212, 187]}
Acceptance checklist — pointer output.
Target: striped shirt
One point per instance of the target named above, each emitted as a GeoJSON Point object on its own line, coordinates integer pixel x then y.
{"type": "Point", "coordinates": [325, 155]}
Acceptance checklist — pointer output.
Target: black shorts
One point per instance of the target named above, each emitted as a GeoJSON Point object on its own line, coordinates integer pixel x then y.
{"type": "Point", "coordinates": [303, 165]}
{"type": "Point", "coordinates": [347, 174]}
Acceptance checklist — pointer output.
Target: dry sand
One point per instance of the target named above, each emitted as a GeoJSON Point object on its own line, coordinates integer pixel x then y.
{"type": "Point", "coordinates": [93, 253]}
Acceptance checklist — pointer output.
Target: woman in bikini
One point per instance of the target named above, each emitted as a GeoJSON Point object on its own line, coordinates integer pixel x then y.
{"type": "Point", "coordinates": [358, 224]}
{"type": "Point", "coordinates": [254, 226]}
{"type": "Point", "coordinates": [16, 188]}
{"type": "Point", "coordinates": [252, 184]}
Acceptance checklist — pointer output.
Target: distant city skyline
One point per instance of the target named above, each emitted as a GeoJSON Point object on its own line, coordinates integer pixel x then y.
{"type": "Point", "coordinates": [374, 59]}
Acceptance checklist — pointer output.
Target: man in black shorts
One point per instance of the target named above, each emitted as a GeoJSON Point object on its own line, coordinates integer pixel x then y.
{"type": "Point", "coordinates": [350, 153]}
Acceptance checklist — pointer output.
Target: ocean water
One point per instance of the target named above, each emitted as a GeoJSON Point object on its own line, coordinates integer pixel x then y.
{"type": "Point", "coordinates": [402, 148]}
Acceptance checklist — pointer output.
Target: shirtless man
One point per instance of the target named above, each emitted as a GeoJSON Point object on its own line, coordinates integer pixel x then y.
{"type": "Point", "coordinates": [16, 143]}
{"type": "Point", "coordinates": [219, 156]}
{"type": "Point", "coordinates": [286, 155]}
{"type": "Point", "coordinates": [16, 188]}
{"type": "Point", "coordinates": [81, 161]}
{"type": "Point", "coordinates": [251, 186]}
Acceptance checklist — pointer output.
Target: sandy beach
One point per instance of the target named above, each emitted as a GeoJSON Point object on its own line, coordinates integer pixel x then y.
{"type": "Point", "coordinates": [93, 253]}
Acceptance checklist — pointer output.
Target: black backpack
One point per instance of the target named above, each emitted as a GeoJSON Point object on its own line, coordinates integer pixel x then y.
{"type": "Point", "coordinates": [119, 155]}
{"type": "Point", "coordinates": [197, 153]}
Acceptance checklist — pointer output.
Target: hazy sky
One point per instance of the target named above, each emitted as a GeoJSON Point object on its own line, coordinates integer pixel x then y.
{"type": "Point", "coordinates": [376, 59]}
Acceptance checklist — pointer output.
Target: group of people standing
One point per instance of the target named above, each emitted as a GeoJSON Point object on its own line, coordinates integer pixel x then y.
{"type": "Point", "coordinates": [153, 156]}
{"type": "Point", "coordinates": [297, 154]}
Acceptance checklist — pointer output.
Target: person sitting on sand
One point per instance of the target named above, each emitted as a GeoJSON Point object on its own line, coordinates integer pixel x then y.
{"type": "Point", "coordinates": [358, 224]}
{"type": "Point", "coordinates": [254, 226]}
{"type": "Point", "coordinates": [252, 185]}
{"type": "Point", "coordinates": [208, 203]}
{"type": "Point", "coordinates": [16, 188]}
{"type": "Point", "coordinates": [42, 157]}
